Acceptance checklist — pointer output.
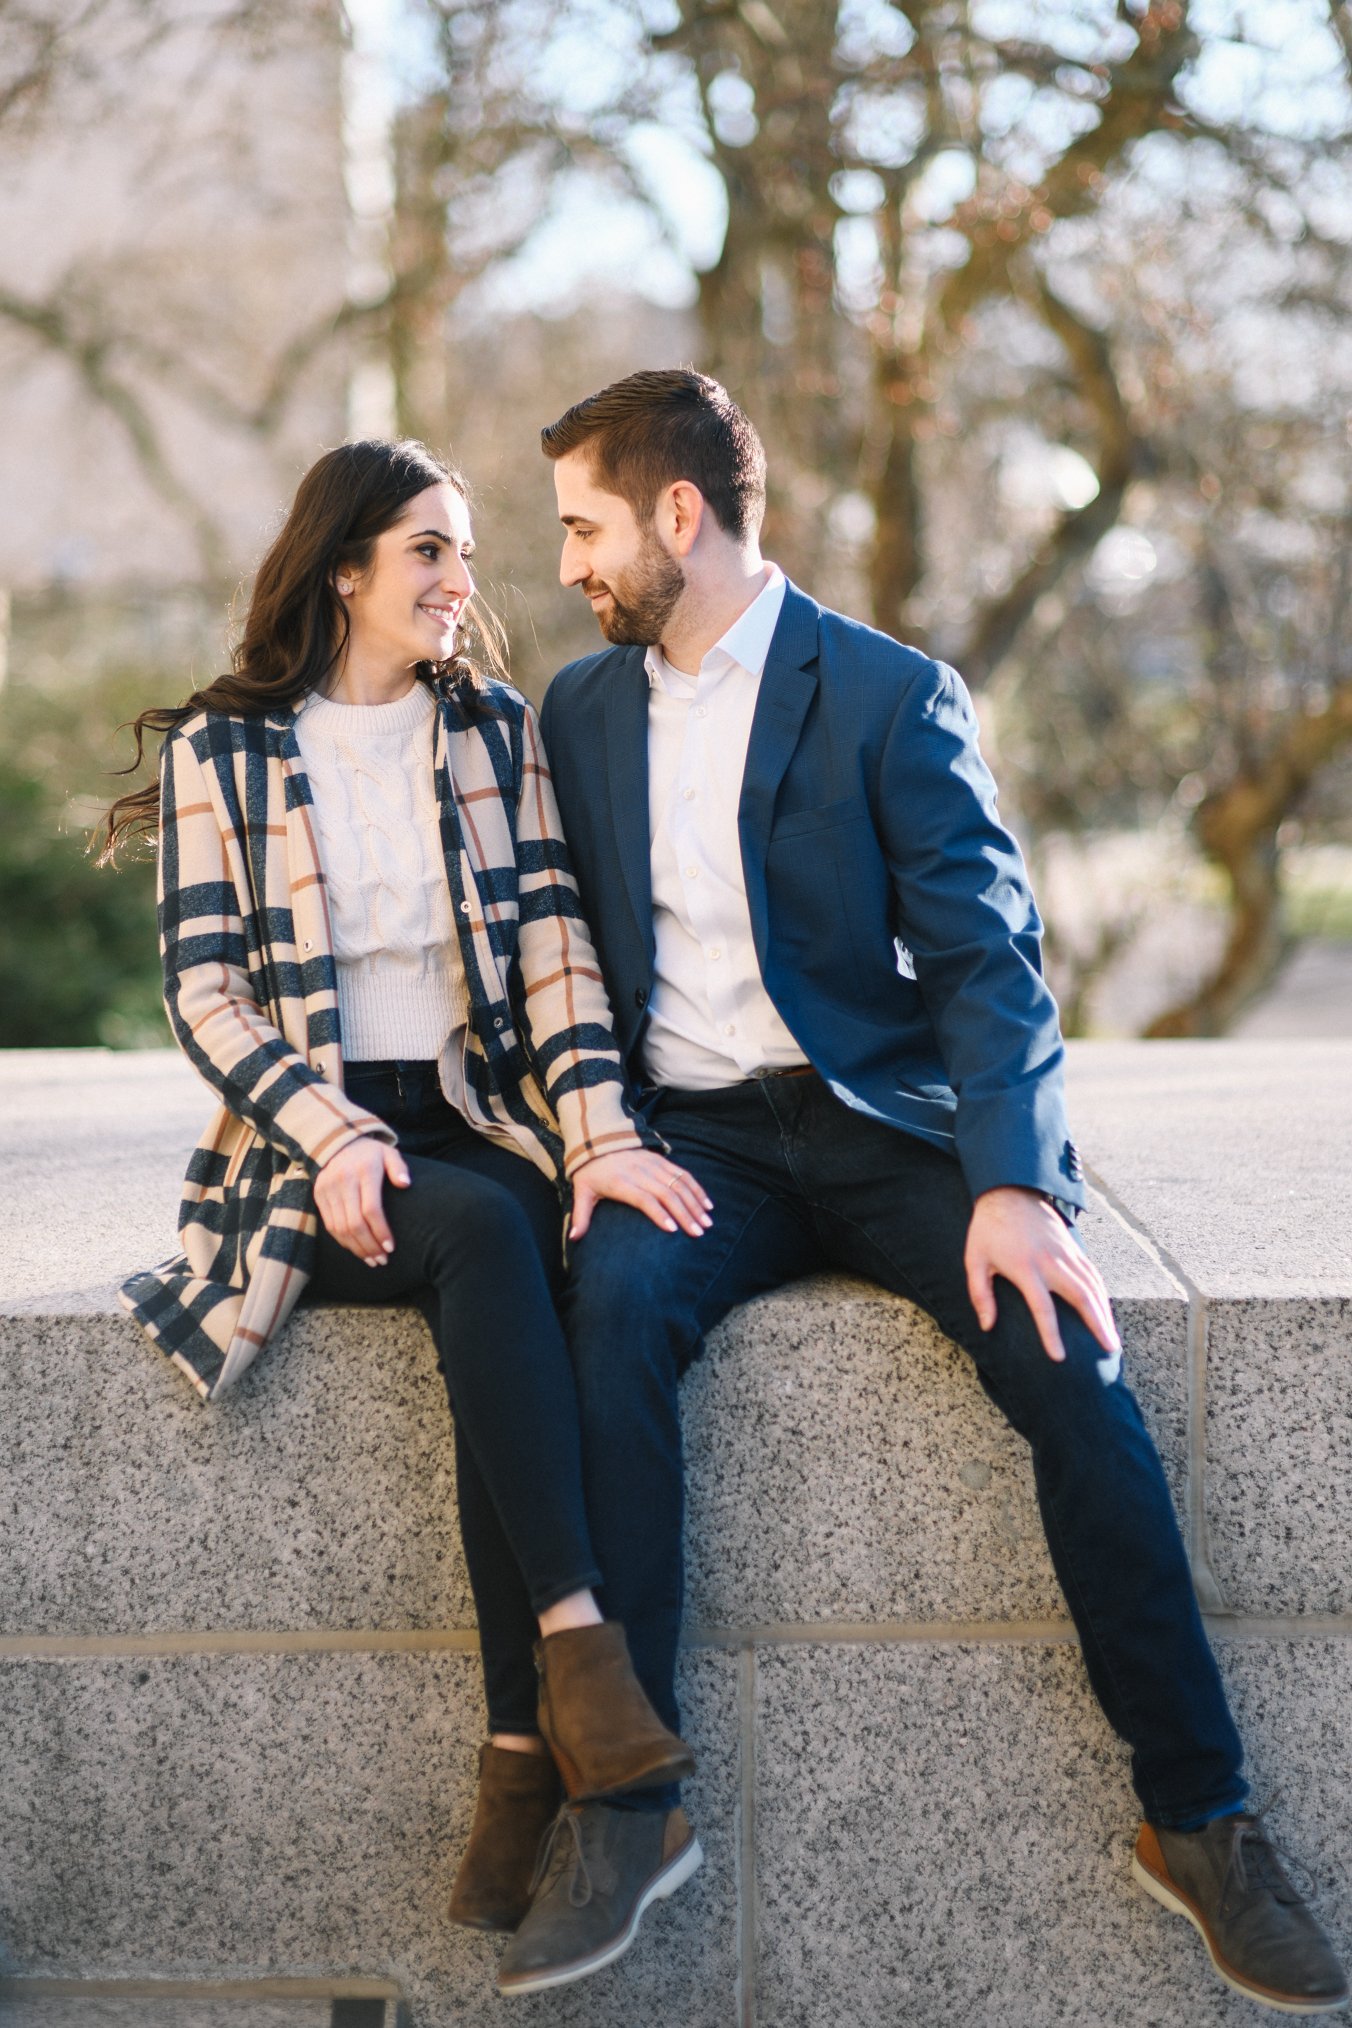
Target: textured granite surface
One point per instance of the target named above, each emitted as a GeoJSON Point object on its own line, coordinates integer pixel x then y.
{"type": "Point", "coordinates": [1236, 1156]}
{"type": "Point", "coordinates": [319, 1492]}
{"type": "Point", "coordinates": [1279, 1454]}
{"type": "Point", "coordinates": [960, 1852]}
{"type": "Point", "coordinates": [94, 1146]}
{"type": "Point", "coordinates": [845, 1464]}
{"type": "Point", "coordinates": [177, 2013]}
{"type": "Point", "coordinates": [246, 1816]}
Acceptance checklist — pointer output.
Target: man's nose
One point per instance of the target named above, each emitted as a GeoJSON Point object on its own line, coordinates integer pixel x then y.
{"type": "Point", "coordinates": [573, 568]}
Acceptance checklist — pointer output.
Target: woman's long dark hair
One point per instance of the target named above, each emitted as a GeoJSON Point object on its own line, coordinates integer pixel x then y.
{"type": "Point", "coordinates": [297, 624]}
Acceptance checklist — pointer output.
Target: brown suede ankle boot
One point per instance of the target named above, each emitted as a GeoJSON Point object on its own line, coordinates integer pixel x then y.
{"type": "Point", "coordinates": [596, 1720]}
{"type": "Point", "coordinates": [519, 1795]}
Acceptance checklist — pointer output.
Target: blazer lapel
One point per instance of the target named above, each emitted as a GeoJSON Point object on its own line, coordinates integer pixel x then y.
{"type": "Point", "coordinates": [627, 778]}
{"type": "Point", "coordinates": [788, 685]}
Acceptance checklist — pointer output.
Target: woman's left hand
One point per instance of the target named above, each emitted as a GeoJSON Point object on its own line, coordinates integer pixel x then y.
{"type": "Point", "coordinates": [669, 1196]}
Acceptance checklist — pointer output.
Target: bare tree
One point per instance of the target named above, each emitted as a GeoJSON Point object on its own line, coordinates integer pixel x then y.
{"type": "Point", "coordinates": [932, 273]}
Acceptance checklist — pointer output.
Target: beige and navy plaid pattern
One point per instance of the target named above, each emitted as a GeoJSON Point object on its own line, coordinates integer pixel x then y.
{"type": "Point", "coordinates": [251, 992]}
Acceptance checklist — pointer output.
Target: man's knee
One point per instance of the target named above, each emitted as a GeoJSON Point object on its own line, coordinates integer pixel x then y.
{"type": "Point", "coordinates": [625, 1312]}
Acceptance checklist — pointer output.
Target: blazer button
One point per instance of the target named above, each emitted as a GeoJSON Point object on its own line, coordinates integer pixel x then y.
{"type": "Point", "coordinates": [640, 996]}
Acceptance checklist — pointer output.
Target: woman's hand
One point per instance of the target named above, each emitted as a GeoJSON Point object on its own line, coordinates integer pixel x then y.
{"type": "Point", "coordinates": [348, 1193]}
{"type": "Point", "coordinates": [669, 1196]}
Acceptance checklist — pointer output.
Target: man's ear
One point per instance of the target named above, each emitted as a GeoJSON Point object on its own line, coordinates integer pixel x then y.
{"type": "Point", "coordinates": [680, 516]}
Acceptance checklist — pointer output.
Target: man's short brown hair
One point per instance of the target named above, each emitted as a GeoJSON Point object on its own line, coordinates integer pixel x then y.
{"type": "Point", "coordinates": [644, 433]}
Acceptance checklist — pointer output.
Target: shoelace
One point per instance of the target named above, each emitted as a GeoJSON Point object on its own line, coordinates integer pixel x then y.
{"type": "Point", "coordinates": [580, 1884]}
{"type": "Point", "coordinates": [1257, 1860]}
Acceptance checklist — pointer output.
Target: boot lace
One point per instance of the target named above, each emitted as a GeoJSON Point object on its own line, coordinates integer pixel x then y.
{"type": "Point", "coordinates": [1256, 1861]}
{"type": "Point", "coordinates": [562, 1847]}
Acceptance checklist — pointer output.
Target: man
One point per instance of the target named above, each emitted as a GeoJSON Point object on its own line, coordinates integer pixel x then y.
{"type": "Point", "coordinates": [823, 960]}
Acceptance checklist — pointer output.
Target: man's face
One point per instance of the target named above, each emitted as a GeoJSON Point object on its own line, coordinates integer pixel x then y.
{"type": "Point", "coordinates": [630, 581]}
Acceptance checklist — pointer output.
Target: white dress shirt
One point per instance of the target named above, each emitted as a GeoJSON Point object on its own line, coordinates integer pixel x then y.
{"type": "Point", "coordinates": [711, 1021]}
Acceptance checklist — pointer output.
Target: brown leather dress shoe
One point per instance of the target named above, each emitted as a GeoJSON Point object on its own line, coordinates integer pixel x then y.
{"type": "Point", "coordinates": [596, 1720]}
{"type": "Point", "coordinates": [1229, 1881]}
{"type": "Point", "coordinates": [519, 1794]}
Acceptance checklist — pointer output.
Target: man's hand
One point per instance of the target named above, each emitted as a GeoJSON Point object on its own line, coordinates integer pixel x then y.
{"type": "Point", "coordinates": [1017, 1234]}
{"type": "Point", "coordinates": [670, 1196]}
{"type": "Point", "coordinates": [348, 1193]}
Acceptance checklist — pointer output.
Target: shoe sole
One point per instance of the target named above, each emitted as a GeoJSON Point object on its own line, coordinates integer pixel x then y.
{"type": "Point", "coordinates": [680, 1768]}
{"type": "Point", "coordinates": [1262, 1995]}
{"type": "Point", "coordinates": [673, 1875]}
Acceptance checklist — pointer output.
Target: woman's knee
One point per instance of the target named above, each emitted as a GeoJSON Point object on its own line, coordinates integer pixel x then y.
{"type": "Point", "coordinates": [470, 1222]}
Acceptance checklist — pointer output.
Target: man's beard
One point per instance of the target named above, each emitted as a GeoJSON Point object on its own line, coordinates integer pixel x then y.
{"type": "Point", "coordinates": [642, 599]}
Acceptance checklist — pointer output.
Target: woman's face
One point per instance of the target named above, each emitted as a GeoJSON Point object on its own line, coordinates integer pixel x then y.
{"type": "Point", "coordinates": [406, 607]}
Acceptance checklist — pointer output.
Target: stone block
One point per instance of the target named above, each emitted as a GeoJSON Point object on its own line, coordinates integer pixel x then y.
{"type": "Point", "coordinates": [845, 1464]}
{"type": "Point", "coordinates": [319, 1492]}
{"type": "Point", "coordinates": [242, 1816]}
{"type": "Point", "coordinates": [943, 1835]}
{"type": "Point", "coordinates": [1235, 1156]}
{"type": "Point", "coordinates": [27, 2010]}
{"type": "Point", "coordinates": [95, 1147]}
{"type": "Point", "coordinates": [1279, 1454]}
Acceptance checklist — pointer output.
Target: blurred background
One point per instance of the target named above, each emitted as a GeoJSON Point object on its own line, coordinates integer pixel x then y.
{"type": "Point", "coordinates": [1042, 311]}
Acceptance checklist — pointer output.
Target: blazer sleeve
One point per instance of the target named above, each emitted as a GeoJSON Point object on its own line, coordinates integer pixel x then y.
{"type": "Point", "coordinates": [208, 995]}
{"type": "Point", "coordinates": [567, 1012]}
{"type": "Point", "coordinates": [968, 916]}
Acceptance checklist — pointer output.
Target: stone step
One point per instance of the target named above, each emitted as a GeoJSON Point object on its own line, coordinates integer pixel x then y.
{"type": "Point", "coordinates": [166, 2003]}
{"type": "Point", "coordinates": [941, 1832]}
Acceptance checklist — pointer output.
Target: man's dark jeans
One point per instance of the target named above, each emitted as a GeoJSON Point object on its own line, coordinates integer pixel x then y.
{"type": "Point", "coordinates": [801, 1181]}
{"type": "Point", "coordinates": [478, 1241]}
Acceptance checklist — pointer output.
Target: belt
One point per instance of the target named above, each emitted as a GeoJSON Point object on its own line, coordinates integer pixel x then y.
{"type": "Point", "coordinates": [787, 1070]}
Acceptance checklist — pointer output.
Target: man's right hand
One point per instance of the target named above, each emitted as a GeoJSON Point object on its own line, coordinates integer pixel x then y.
{"type": "Point", "coordinates": [348, 1192]}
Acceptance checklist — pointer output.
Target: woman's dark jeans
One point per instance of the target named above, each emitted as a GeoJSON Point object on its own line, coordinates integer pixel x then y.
{"type": "Point", "coordinates": [477, 1245]}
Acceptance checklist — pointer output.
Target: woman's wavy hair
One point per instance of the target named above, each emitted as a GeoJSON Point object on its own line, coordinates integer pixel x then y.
{"type": "Point", "coordinates": [297, 624]}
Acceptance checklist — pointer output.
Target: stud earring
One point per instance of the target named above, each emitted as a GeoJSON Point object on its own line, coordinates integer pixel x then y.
{"type": "Point", "coordinates": [344, 587]}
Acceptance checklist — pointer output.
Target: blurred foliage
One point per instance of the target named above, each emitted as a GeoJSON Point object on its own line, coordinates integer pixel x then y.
{"type": "Point", "coordinates": [77, 945]}
{"type": "Point", "coordinates": [79, 955]}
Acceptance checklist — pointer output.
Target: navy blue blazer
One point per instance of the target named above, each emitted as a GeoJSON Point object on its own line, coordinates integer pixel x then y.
{"type": "Point", "coordinates": [872, 850]}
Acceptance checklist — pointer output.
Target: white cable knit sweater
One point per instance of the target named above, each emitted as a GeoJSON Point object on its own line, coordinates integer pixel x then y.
{"type": "Point", "coordinates": [401, 984]}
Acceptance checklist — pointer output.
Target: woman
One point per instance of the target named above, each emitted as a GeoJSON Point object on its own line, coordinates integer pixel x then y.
{"type": "Point", "coordinates": [373, 952]}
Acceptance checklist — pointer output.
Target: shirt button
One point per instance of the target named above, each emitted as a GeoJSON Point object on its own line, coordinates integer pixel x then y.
{"type": "Point", "coordinates": [309, 943]}
{"type": "Point", "coordinates": [464, 908]}
{"type": "Point", "coordinates": [687, 796]}
{"type": "Point", "coordinates": [701, 711]}
{"type": "Point", "coordinates": [692, 873]}
{"type": "Point", "coordinates": [715, 953]}
{"type": "Point", "coordinates": [729, 1028]}
{"type": "Point", "coordinates": [497, 1020]}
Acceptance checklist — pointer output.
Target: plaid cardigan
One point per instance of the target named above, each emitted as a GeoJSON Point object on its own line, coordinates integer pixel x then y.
{"type": "Point", "coordinates": [250, 987]}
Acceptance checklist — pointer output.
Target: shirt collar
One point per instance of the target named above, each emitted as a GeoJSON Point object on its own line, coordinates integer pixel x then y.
{"type": "Point", "coordinates": [745, 645]}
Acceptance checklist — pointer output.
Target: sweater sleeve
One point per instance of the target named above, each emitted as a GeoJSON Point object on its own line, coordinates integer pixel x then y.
{"type": "Point", "coordinates": [567, 1011]}
{"type": "Point", "coordinates": [208, 994]}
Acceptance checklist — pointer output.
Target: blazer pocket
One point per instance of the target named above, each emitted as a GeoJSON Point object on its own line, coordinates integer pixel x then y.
{"type": "Point", "coordinates": [795, 822]}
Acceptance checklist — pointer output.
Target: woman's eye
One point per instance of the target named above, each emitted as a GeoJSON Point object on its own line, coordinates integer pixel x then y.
{"type": "Point", "coordinates": [429, 550]}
